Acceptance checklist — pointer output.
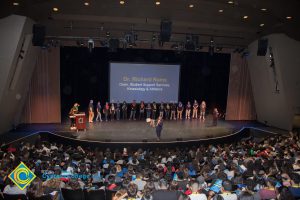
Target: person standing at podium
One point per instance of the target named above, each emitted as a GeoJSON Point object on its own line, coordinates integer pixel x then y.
{"type": "Point", "coordinates": [91, 111]}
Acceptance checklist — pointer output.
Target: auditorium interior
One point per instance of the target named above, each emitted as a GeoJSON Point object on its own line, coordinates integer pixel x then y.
{"type": "Point", "coordinates": [149, 99]}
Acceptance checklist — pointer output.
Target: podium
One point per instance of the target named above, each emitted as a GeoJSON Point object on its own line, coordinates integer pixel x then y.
{"type": "Point", "coordinates": [80, 121]}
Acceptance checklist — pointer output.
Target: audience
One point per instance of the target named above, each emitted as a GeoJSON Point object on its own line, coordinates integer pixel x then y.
{"type": "Point", "coordinates": [245, 170]}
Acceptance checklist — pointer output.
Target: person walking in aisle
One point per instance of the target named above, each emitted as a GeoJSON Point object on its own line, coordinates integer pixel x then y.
{"type": "Point", "coordinates": [91, 111]}
{"type": "Point", "coordinates": [173, 112]}
{"type": "Point", "coordinates": [98, 109]}
{"type": "Point", "coordinates": [188, 110]}
{"type": "Point", "coordinates": [195, 109]}
{"type": "Point", "coordinates": [179, 110]}
{"type": "Point", "coordinates": [124, 110]}
{"type": "Point", "coordinates": [159, 127]}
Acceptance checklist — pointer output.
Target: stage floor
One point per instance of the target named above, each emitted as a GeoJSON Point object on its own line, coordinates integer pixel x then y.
{"type": "Point", "coordinates": [140, 131]}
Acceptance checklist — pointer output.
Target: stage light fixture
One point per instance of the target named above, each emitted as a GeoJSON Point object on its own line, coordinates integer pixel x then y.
{"type": "Point", "coordinates": [55, 9]}
{"type": "Point", "coordinates": [230, 2]}
{"type": "Point", "coordinates": [122, 2]}
{"type": "Point", "coordinates": [289, 17]}
{"type": "Point", "coordinates": [263, 9]}
{"type": "Point", "coordinates": [221, 10]}
{"type": "Point", "coordinates": [191, 6]}
{"type": "Point", "coordinates": [157, 3]}
{"type": "Point", "coordinates": [86, 3]}
{"type": "Point", "coordinates": [15, 3]}
{"type": "Point", "coordinates": [245, 17]}
{"type": "Point", "coordinates": [261, 25]}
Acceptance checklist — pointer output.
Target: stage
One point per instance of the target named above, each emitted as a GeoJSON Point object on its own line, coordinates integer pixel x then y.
{"type": "Point", "coordinates": [140, 132]}
{"type": "Point", "coordinates": [137, 131]}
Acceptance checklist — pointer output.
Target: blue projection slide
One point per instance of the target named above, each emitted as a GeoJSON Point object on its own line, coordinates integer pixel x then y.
{"type": "Point", "coordinates": [144, 82]}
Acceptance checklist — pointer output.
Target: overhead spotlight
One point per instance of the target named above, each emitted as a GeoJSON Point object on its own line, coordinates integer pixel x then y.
{"type": "Point", "coordinates": [263, 9]}
{"type": "Point", "coordinates": [55, 9]}
{"type": "Point", "coordinates": [245, 17]}
{"type": "Point", "coordinates": [221, 10]}
{"type": "Point", "coordinates": [15, 3]}
{"type": "Point", "coordinates": [86, 3]}
{"type": "Point", "coordinates": [230, 2]}
{"type": "Point", "coordinates": [261, 25]}
{"type": "Point", "coordinates": [91, 45]}
{"type": "Point", "coordinates": [288, 17]}
{"type": "Point", "coordinates": [191, 6]}
{"type": "Point", "coordinates": [122, 2]}
{"type": "Point", "coordinates": [157, 3]}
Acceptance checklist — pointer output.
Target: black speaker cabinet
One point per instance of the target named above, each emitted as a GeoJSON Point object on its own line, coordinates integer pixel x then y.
{"type": "Point", "coordinates": [165, 30]}
{"type": "Point", "coordinates": [39, 32]}
{"type": "Point", "coordinates": [262, 47]}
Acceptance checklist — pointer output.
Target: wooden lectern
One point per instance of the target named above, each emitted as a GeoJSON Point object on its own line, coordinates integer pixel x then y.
{"type": "Point", "coordinates": [80, 120]}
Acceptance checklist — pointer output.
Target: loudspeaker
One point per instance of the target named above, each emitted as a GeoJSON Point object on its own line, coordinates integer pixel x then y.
{"type": "Point", "coordinates": [165, 30]}
{"type": "Point", "coordinates": [262, 47]}
{"type": "Point", "coordinates": [113, 45]}
{"type": "Point", "coordinates": [39, 32]}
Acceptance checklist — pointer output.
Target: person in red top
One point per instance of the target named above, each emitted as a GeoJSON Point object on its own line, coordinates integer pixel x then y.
{"type": "Point", "coordinates": [133, 110]}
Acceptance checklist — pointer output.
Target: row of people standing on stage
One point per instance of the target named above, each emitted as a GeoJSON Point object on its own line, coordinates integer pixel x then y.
{"type": "Point", "coordinates": [171, 111]}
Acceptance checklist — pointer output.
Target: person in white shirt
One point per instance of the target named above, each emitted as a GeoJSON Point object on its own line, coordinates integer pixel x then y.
{"type": "Point", "coordinates": [12, 189]}
{"type": "Point", "coordinates": [195, 192]}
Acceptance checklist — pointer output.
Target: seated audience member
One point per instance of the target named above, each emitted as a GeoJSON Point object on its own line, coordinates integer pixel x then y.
{"type": "Point", "coordinates": [36, 190]}
{"type": "Point", "coordinates": [196, 195]}
{"type": "Point", "coordinates": [11, 189]}
{"type": "Point", "coordinates": [163, 193]}
{"type": "Point", "coordinates": [132, 192]}
{"type": "Point", "coordinates": [269, 190]}
{"type": "Point", "coordinates": [295, 185]}
{"type": "Point", "coordinates": [226, 191]}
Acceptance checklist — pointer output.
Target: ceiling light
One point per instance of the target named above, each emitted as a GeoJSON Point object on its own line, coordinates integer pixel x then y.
{"type": "Point", "coordinates": [15, 3]}
{"type": "Point", "coordinates": [86, 3]}
{"type": "Point", "coordinates": [230, 2]}
{"type": "Point", "coordinates": [289, 17]}
{"type": "Point", "coordinates": [55, 9]}
{"type": "Point", "coordinates": [157, 3]}
{"type": "Point", "coordinates": [122, 2]}
{"type": "Point", "coordinates": [263, 9]}
{"type": "Point", "coordinates": [261, 25]}
{"type": "Point", "coordinates": [245, 17]}
{"type": "Point", "coordinates": [191, 6]}
{"type": "Point", "coordinates": [220, 11]}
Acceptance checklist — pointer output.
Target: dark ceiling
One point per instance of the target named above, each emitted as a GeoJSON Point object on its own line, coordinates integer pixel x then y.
{"type": "Point", "coordinates": [229, 28]}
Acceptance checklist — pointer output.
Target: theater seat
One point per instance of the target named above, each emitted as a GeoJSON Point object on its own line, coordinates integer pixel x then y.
{"type": "Point", "coordinates": [14, 197]}
{"type": "Point", "coordinates": [72, 194]}
{"type": "Point", "coordinates": [95, 195]}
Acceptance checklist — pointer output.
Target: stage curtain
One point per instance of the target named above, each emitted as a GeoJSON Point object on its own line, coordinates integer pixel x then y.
{"type": "Point", "coordinates": [43, 99]}
{"type": "Point", "coordinates": [240, 101]}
